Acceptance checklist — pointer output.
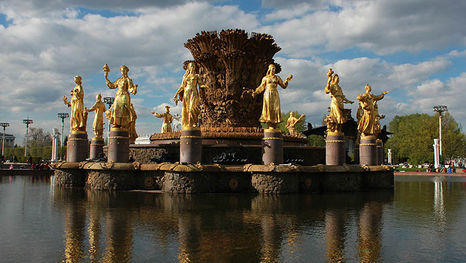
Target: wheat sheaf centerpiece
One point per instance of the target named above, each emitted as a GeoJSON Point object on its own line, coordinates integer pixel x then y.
{"type": "Point", "coordinates": [231, 64]}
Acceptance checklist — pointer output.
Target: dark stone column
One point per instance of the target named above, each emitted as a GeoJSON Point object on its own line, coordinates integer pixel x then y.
{"type": "Point", "coordinates": [190, 146]}
{"type": "Point", "coordinates": [335, 149]}
{"type": "Point", "coordinates": [368, 150]}
{"type": "Point", "coordinates": [97, 147]}
{"type": "Point", "coordinates": [77, 148]}
{"type": "Point", "coordinates": [118, 145]}
{"type": "Point", "coordinates": [356, 153]}
{"type": "Point", "coordinates": [379, 147]}
{"type": "Point", "coordinates": [272, 146]}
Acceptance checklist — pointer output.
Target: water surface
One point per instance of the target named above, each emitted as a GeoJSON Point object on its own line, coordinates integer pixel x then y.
{"type": "Point", "coordinates": [422, 220]}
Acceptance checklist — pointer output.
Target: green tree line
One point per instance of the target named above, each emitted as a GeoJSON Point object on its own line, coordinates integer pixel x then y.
{"type": "Point", "coordinates": [414, 134]}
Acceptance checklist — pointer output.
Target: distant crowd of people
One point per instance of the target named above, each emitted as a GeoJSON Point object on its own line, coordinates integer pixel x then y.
{"type": "Point", "coordinates": [12, 162]}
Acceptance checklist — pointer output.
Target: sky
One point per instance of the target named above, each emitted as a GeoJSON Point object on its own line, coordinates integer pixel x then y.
{"type": "Point", "coordinates": [416, 49]}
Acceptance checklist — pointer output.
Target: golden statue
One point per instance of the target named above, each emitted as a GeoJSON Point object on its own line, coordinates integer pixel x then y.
{"type": "Point", "coordinates": [119, 113]}
{"type": "Point", "coordinates": [167, 119]}
{"type": "Point", "coordinates": [291, 124]}
{"type": "Point", "coordinates": [368, 114]}
{"type": "Point", "coordinates": [78, 118]}
{"type": "Point", "coordinates": [271, 113]}
{"type": "Point", "coordinates": [338, 114]}
{"type": "Point", "coordinates": [98, 124]}
{"type": "Point", "coordinates": [132, 134]}
{"type": "Point", "coordinates": [189, 95]}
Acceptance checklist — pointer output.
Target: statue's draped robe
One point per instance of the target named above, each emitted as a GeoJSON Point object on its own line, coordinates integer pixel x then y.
{"type": "Point", "coordinates": [78, 116]}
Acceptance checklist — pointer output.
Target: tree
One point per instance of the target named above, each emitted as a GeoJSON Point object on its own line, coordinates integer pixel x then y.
{"type": "Point", "coordinates": [38, 138]}
{"type": "Point", "coordinates": [413, 136]}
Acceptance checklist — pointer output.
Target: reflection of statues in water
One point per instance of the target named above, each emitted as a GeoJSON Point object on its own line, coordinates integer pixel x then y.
{"type": "Point", "coordinates": [132, 134]}
{"type": "Point", "coordinates": [368, 114]}
{"type": "Point", "coordinates": [189, 95]}
{"type": "Point", "coordinates": [98, 124]}
{"type": "Point", "coordinates": [291, 124]}
{"type": "Point", "coordinates": [119, 114]}
{"type": "Point", "coordinates": [369, 244]}
{"type": "Point", "coordinates": [78, 118]}
{"type": "Point", "coordinates": [167, 119]}
{"type": "Point", "coordinates": [338, 114]}
{"type": "Point", "coordinates": [271, 112]}
{"type": "Point", "coordinates": [335, 235]}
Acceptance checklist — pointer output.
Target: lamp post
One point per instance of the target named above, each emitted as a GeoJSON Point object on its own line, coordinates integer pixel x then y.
{"type": "Point", "coordinates": [440, 109]}
{"type": "Point", "coordinates": [4, 125]}
{"type": "Point", "coordinates": [109, 101]}
{"type": "Point", "coordinates": [62, 116]}
{"type": "Point", "coordinates": [27, 121]}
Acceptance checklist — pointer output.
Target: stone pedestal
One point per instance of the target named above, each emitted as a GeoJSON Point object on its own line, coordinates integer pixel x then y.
{"type": "Point", "coordinates": [379, 146]}
{"type": "Point", "coordinates": [97, 148]}
{"type": "Point", "coordinates": [335, 153]}
{"type": "Point", "coordinates": [77, 147]}
{"type": "Point", "coordinates": [272, 146]}
{"type": "Point", "coordinates": [368, 150]}
{"type": "Point", "coordinates": [190, 146]}
{"type": "Point", "coordinates": [118, 146]}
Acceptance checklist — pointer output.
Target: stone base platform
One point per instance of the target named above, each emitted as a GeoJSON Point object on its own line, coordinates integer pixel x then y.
{"type": "Point", "coordinates": [249, 178]}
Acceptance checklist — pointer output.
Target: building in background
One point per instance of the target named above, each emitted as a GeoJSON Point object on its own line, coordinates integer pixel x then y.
{"type": "Point", "coordinates": [9, 140]}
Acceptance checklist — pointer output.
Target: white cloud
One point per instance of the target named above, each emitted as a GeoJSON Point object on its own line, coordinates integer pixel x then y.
{"type": "Point", "coordinates": [381, 26]}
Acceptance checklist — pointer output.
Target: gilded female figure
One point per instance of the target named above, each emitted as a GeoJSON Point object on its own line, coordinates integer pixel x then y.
{"type": "Point", "coordinates": [189, 95]}
{"type": "Point", "coordinates": [338, 114]}
{"type": "Point", "coordinates": [368, 123]}
{"type": "Point", "coordinates": [98, 124]}
{"type": "Point", "coordinates": [291, 124]}
{"type": "Point", "coordinates": [119, 113]}
{"type": "Point", "coordinates": [271, 113]}
{"type": "Point", "coordinates": [78, 118]}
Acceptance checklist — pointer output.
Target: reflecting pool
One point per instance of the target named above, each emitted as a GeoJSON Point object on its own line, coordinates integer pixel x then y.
{"type": "Point", "coordinates": [422, 220]}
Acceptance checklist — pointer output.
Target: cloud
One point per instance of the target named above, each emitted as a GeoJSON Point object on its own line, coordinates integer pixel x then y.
{"type": "Point", "coordinates": [381, 26]}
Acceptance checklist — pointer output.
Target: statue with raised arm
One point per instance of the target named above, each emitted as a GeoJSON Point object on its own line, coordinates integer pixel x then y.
{"type": "Point", "coordinates": [167, 120]}
{"type": "Point", "coordinates": [188, 93]}
{"type": "Point", "coordinates": [78, 118]}
{"type": "Point", "coordinates": [271, 112]}
{"type": "Point", "coordinates": [368, 123]}
{"type": "Point", "coordinates": [119, 114]}
{"type": "Point", "coordinates": [291, 124]}
{"type": "Point", "coordinates": [338, 114]}
{"type": "Point", "coordinates": [98, 124]}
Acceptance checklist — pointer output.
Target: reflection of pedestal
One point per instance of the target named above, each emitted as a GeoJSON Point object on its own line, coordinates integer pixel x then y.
{"type": "Point", "coordinates": [77, 147]}
{"type": "Point", "coordinates": [335, 149]}
{"type": "Point", "coordinates": [379, 146]}
{"type": "Point", "coordinates": [368, 150]}
{"type": "Point", "coordinates": [97, 148]}
{"type": "Point", "coordinates": [118, 146]}
{"type": "Point", "coordinates": [190, 146]}
{"type": "Point", "coordinates": [272, 146]}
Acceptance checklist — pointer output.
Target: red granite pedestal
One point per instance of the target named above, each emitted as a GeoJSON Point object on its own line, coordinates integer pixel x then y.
{"type": "Point", "coordinates": [379, 147]}
{"type": "Point", "coordinates": [272, 146]}
{"type": "Point", "coordinates": [77, 147]}
{"type": "Point", "coordinates": [368, 150]}
{"type": "Point", "coordinates": [118, 146]}
{"type": "Point", "coordinates": [190, 146]}
{"type": "Point", "coordinates": [335, 149]}
{"type": "Point", "coordinates": [97, 148]}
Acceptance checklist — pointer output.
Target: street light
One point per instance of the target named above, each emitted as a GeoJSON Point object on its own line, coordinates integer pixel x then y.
{"type": "Point", "coordinates": [109, 101]}
{"type": "Point", "coordinates": [27, 121]}
{"type": "Point", "coordinates": [440, 109]}
{"type": "Point", "coordinates": [4, 125]}
{"type": "Point", "coordinates": [63, 116]}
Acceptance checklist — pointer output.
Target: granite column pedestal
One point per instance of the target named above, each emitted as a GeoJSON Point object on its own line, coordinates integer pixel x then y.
{"type": "Point", "coordinates": [118, 146]}
{"type": "Point", "coordinates": [77, 147]}
{"type": "Point", "coordinates": [379, 146]}
{"type": "Point", "coordinates": [97, 148]}
{"type": "Point", "coordinates": [190, 146]}
{"type": "Point", "coordinates": [272, 146]}
{"type": "Point", "coordinates": [335, 149]}
{"type": "Point", "coordinates": [368, 150]}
